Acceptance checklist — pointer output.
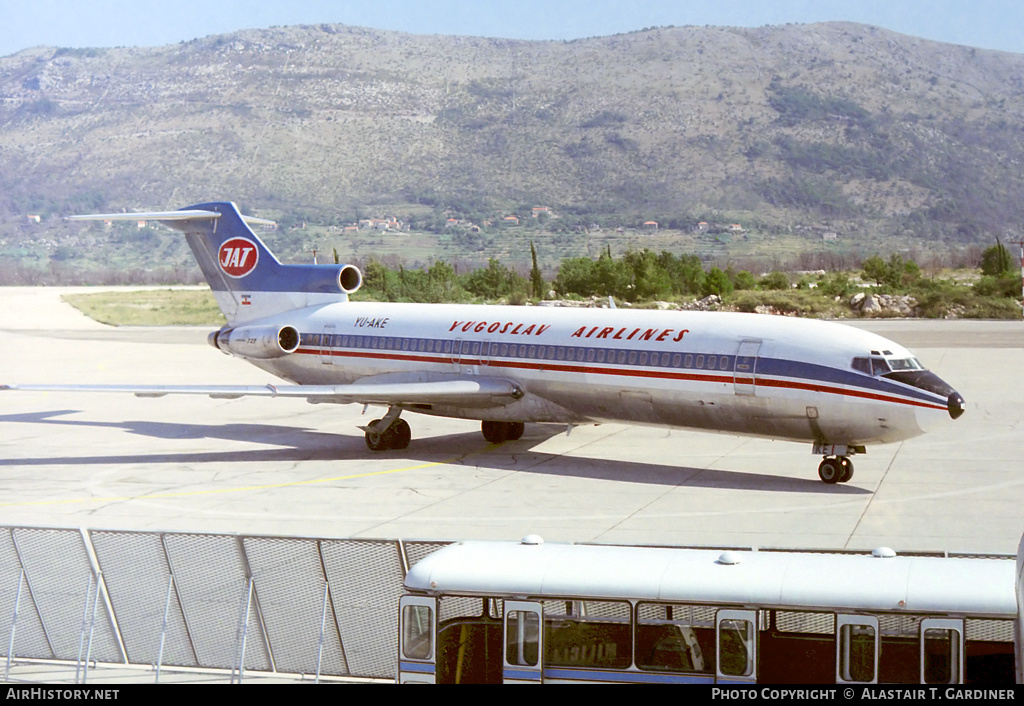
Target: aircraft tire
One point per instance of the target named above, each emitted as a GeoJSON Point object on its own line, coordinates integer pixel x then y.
{"type": "Point", "coordinates": [847, 473]}
{"type": "Point", "coordinates": [515, 430]}
{"type": "Point", "coordinates": [494, 432]}
{"type": "Point", "coordinates": [400, 433]}
{"type": "Point", "coordinates": [375, 440]}
{"type": "Point", "coordinates": [830, 470]}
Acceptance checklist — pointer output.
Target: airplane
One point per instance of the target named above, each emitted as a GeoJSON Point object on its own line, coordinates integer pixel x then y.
{"type": "Point", "coordinates": [834, 386]}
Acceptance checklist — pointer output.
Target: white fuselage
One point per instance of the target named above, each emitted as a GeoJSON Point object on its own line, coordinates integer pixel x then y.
{"type": "Point", "coordinates": [768, 376]}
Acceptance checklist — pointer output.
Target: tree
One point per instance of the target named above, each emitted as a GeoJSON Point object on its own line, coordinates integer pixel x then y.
{"type": "Point", "coordinates": [717, 282]}
{"type": "Point", "coordinates": [536, 278]}
{"type": "Point", "coordinates": [995, 261]}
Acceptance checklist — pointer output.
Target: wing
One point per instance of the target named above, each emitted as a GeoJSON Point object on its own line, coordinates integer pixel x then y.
{"type": "Point", "coordinates": [461, 391]}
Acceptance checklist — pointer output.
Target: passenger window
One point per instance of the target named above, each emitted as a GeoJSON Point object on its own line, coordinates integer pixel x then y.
{"type": "Point", "coordinates": [632, 357]}
{"type": "Point", "coordinates": [688, 362]}
{"type": "Point", "coordinates": [712, 362]}
{"type": "Point", "coordinates": [676, 360]}
{"type": "Point", "coordinates": [700, 361]}
{"type": "Point", "coordinates": [723, 363]}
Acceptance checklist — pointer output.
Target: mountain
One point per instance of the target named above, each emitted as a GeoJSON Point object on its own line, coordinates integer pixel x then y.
{"type": "Point", "coordinates": [833, 126]}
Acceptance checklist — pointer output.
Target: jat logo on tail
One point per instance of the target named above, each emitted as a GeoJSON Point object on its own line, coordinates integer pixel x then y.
{"type": "Point", "coordinates": [238, 257]}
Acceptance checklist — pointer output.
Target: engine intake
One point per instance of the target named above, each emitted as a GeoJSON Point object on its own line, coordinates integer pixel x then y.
{"type": "Point", "coordinates": [260, 342]}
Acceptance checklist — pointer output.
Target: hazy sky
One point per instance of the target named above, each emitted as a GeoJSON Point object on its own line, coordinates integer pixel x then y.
{"type": "Point", "coordinates": [991, 24]}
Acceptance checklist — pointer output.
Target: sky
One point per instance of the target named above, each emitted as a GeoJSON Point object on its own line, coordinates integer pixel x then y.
{"type": "Point", "coordinates": [988, 24]}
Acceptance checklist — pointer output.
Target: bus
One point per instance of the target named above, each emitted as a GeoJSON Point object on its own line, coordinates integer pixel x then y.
{"type": "Point", "coordinates": [536, 612]}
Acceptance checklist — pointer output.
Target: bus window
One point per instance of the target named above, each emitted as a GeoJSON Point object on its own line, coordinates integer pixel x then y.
{"type": "Point", "coordinates": [735, 643]}
{"type": "Point", "coordinates": [675, 638]}
{"type": "Point", "coordinates": [587, 634]}
{"type": "Point", "coordinates": [417, 632]}
{"type": "Point", "coordinates": [941, 652]}
{"type": "Point", "coordinates": [522, 633]}
{"type": "Point", "coordinates": [857, 659]}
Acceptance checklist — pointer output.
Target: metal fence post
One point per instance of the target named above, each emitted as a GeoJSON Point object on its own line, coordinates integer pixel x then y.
{"type": "Point", "coordinates": [81, 634]}
{"type": "Point", "coordinates": [244, 628]}
{"type": "Point", "coordinates": [14, 625]}
{"type": "Point", "coordinates": [92, 626]}
{"type": "Point", "coordinates": [163, 627]}
{"type": "Point", "coordinates": [323, 620]}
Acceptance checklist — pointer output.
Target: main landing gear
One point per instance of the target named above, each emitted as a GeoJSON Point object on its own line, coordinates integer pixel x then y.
{"type": "Point", "coordinates": [499, 432]}
{"type": "Point", "coordinates": [390, 432]}
{"type": "Point", "coordinates": [393, 432]}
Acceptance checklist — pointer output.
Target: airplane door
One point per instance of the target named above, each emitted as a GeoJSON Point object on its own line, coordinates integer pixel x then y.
{"type": "Point", "coordinates": [417, 628]}
{"type": "Point", "coordinates": [524, 643]}
{"type": "Point", "coordinates": [326, 341]}
{"type": "Point", "coordinates": [736, 646]}
{"type": "Point", "coordinates": [745, 372]}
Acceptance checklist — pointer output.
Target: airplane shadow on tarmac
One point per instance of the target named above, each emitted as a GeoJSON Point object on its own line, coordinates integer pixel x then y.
{"type": "Point", "coordinates": [293, 444]}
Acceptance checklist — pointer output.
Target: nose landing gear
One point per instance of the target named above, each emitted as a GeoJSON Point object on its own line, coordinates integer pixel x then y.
{"type": "Point", "coordinates": [835, 469]}
{"type": "Point", "coordinates": [836, 466]}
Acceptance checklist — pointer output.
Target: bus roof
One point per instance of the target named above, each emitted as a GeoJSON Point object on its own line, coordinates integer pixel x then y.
{"type": "Point", "coordinates": [911, 584]}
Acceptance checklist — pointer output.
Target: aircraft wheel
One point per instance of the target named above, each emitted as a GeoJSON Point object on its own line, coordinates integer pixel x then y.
{"type": "Point", "coordinates": [494, 432]}
{"type": "Point", "coordinates": [830, 470]}
{"type": "Point", "coordinates": [400, 434]}
{"type": "Point", "coordinates": [515, 430]}
{"type": "Point", "coordinates": [375, 440]}
{"type": "Point", "coordinates": [847, 473]}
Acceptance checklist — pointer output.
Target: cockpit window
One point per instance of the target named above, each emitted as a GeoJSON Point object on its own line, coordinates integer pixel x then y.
{"type": "Point", "coordinates": [905, 364]}
{"type": "Point", "coordinates": [881, 366]}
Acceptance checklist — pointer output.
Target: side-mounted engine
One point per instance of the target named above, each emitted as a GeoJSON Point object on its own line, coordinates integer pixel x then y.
{"type": "Point", "coordinates": [261, 342]}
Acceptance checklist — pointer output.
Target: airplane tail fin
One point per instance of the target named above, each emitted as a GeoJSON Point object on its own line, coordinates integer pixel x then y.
{"type": "Point", "coordinates": [247, 280]}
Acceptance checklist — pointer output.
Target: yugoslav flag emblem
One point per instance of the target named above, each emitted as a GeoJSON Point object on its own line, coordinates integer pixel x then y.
{"type": "Point", "coordinates": [238, 257]}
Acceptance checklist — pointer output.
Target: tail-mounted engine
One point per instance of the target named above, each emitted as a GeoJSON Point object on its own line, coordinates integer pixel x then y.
{"type": "Point", "coordinates": [260, 342]}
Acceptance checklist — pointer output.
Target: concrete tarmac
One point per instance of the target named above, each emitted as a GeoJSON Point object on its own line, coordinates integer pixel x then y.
{"type": "Point", "coordinates": [266, 466]}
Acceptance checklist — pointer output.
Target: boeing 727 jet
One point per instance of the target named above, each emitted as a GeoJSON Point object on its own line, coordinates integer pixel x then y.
{"type": "Point", "coordinates": [834, 386]}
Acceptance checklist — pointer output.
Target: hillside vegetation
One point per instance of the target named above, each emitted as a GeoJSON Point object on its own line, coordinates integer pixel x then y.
{"type": "Point", "coordinates": [794, 134]}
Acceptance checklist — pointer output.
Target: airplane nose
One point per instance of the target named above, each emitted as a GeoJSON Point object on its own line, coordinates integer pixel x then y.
{"type": "Point", "coordinates": [955, 404]}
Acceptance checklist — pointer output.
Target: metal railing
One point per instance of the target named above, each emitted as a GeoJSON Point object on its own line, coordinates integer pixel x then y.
{"type": "Point", "coordinates": [312, 606]}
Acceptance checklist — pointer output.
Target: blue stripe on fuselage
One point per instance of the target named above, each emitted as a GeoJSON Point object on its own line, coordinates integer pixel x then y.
{"type": "Point", "coordinates": [768, 369]}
